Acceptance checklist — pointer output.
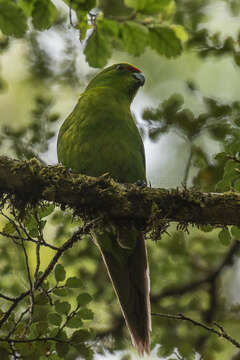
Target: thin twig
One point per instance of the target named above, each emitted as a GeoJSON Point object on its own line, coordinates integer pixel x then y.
{"type": "Point", "coordinates": [12, 307]}
{"type": "Point", "coordinates": [68, 318]}
{"type": "Point", "coordinates": [17, 322]}
{"type": "Point", "coordinates": [40, 239]}
{"type": "Point", "coordinates": [222, 333]}
{"type": "Point", "coordinates": [20, 236]}
{"type": "Point", "coordinates": [47, 294]}
{"type": "Point", "coordinates": [211, 277]}
{"type": "Point", "coordinates": [14, 225]}
{"type": "Point", "coordinates": [234, 158]}
{"type": "Point", "coordinates": [36, 339]}
{"type": "Point", "coordinates": [13, 352]}
{"type": "Point", "coordinates": [31, 289]}
{"type": "Point", "coordinates": [14, 237]}
{"type": "Point", "coordinates": [187, 169]}
{"type": "Point", "coordinates": [8, 298]}
{"type": "Point", "coordinates": [67, 245]}
{"type": "Point", "coordinates": [70, 13]}
{"type": "Point", "coordinates": [177, 355]}
{"type": "Point", "coordinates": [38, 260]}
{"type": "Point", "coordinates": [28, 236]}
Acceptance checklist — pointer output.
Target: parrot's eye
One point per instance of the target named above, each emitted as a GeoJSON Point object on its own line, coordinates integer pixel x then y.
{"type": "Point", "coordinates": [120, 67]}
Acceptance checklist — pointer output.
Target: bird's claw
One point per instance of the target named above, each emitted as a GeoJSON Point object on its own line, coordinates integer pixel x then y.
{"type": "Point", "coordinates": [141, 183]}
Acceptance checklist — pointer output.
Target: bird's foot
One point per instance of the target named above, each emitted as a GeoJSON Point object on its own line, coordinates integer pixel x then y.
{"type": "Point", "coordinates": [141, 183]}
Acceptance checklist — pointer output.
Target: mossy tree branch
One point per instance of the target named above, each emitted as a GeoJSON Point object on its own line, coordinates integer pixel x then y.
{"type": "Point", "coordinates": [29, 181]}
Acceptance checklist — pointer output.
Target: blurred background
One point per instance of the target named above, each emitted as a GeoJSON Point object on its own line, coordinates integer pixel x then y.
{"type": "Point", "coordinates": [187, 112]}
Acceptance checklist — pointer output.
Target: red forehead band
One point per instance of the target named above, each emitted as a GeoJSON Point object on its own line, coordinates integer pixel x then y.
{"type": "Point", "coordinates": [133, 68]}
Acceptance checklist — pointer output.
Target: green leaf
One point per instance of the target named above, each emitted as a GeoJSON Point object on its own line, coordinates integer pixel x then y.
{"type": "Point", "coordinates": [186, 351]}
{"type": "Point", "coordinates": [41, 350]}
{"type": "Point", "coordinates": [235, 147]}
{"type": "Point", "coordinates": [4, 355]}
{"type": "Point", "coordinates": [231, 173]}
{"type": "Point", "coordinates": [86, 314]}
{"type": "Point", "coordinates": [45, 210]}
{"type": "Point", "coordinates": [164, 40]}
{"type": "Point", "coordinates": [41, 299]}
{"type": "Point", "coordinates": [13, 21]}
{"type": "Point", "coordinates": [135, 37]}
{"type": "Point", "coordinates": [84, 351]}
{"type": "Point", "coordinates": [108, 27]}
{"type": "Point", "coordinates": [62, 335]}
{"type": "Point", "coordinates": [39, 328]}
{"type": "Point", "coordinates": [230, 176]}
{"type": "Point", "coordinates": [237, 119]}
{"type": "Point", "coordinates": [60, 292]}
{"type": "Point", "coordinates": [221, 156]}
{"type": "Point", "coordinates": [55, 319]}
{"type": "Point", "coordinates": [25, 349]}
{"type": "Point", "coordinates": [62, 307]}
{"type": "Point", "coordinates": [83, 299]}
{"type": "Point", "coordinates": [42, 327]}
{"type": "Point", "coordinates": [54, 332]}
{"type": "Point", "coordinates": [75, 322]}
{"type": "Point", "coordinates": [137, 4]}
{"type": "Point", "coordinates": [165, 351]}
{"type": "Point", "coordinates": [26, 6]}
{"type": "Point", "coordinates": [148, 6]}
{"type": "Point", "coordinates": [33, 226]}
{"type": "Point", "coordinates": [180, 32]}
{"type": "Point", "coordinates": [19, 330]}
{"type": "Point", "coordinates": [9, 228]}
{"type": "Point", "coordinates": [62, 349]}
{"type": "Point", "coordinates": [237, 185]}
{"type": "Point", "coordinates": [189, 353]}
{"type": "Point", "coordinates": [154, 6]}
{"type": "Point", "coordinates": [207, 228]}
{"type": "Point", "coordinates": [230, 170]}
{"type": "Point", "coordinates": [7, 326]}
{"type": "Point", "coordinates": [97, 50]}
{"type": "Point", "coordinates": [224, 236]}
{"type": "Point", "coordinates": [99, 45]}
{"type": "Point", "coordinates": [222, 186]}
{"type": "Point", "coordinates": [80, 336]}
{"type": "Point", "coordinates": [73, 282]}
{"type": "Point", "coordinates": [43, 14]}
{"type": "Point", "coordinates": [60, 273]}
{"type": "Point", "coordinates": [235, 231]}
{"type": "Point", "coordinates": [82, 25]}
{"type": "Point", "coordinates": [81, 5]}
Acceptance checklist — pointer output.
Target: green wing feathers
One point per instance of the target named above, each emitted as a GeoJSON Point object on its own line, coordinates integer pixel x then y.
{"type": "Point", "coordinates": [100, 136]}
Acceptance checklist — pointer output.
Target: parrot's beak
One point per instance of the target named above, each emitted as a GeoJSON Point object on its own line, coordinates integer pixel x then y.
{"type": "Point", "coordinates": [140, 77]}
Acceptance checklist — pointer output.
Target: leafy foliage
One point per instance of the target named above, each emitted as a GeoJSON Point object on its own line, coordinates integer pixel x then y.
{"type": "Point", "coordinates": [135, 37]}
{"type": "Point", "coordinates": [12, 19]}
{"type": "Point", "coordinates": [132, 36]}
{"type": "Point", "coordinates": [98, 49]}
{"type": "Point", "coordinates": [219, 122]}
{"type": "Point", "coordinates": [26, 142]}
{"type": "Point", "coordinates": [43, 14]}
{"type": "Point", "coordinates": [164, 40]}
{"type": "Point", "coordinates": [48, 307]}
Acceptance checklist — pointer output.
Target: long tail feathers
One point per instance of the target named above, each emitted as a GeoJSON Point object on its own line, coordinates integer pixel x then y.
{"type": "Point", "coordinates": [132, 286]}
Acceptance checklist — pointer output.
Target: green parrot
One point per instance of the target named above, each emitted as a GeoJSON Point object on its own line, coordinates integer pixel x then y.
{"type": "Point", "coordinates": [98, 137]}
